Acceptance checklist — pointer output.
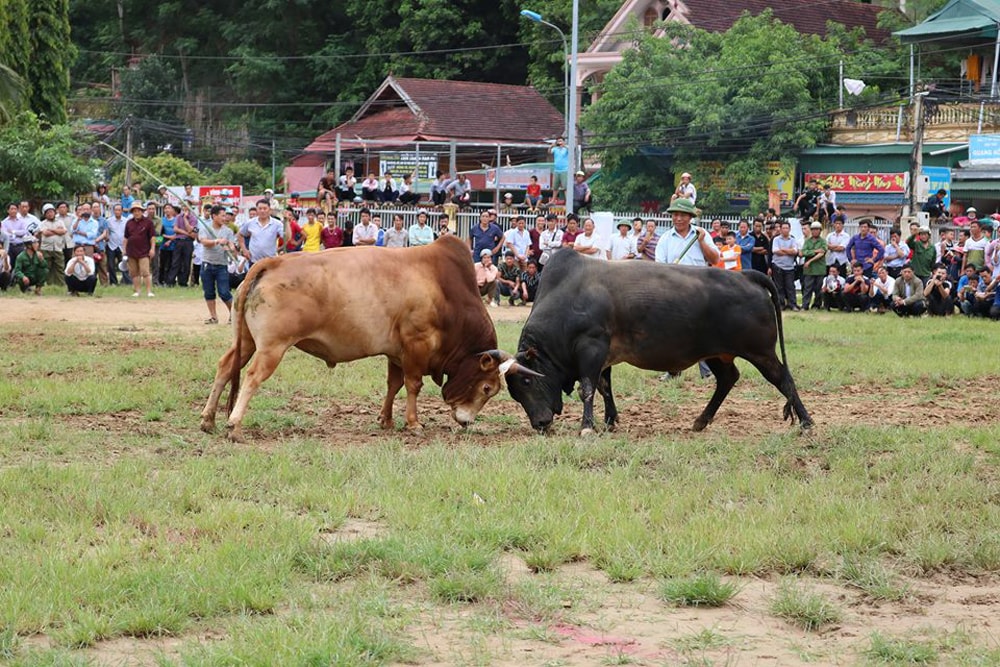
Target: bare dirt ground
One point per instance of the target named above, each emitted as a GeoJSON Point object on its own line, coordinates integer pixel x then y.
{"type": "Point", "coordinates": [617, 623]}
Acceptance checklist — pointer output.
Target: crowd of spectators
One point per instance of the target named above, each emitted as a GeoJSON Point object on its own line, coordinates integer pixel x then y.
{"type": "Point", "coordinates": [173, 241]}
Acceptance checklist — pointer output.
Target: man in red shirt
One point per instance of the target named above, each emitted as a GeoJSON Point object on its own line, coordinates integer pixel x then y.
{"type": "Point", "coordinates": [139, 247]}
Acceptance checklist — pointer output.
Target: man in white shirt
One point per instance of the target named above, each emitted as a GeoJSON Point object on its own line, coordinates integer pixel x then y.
{"type": "Point", "coordinates": [517, 241]}
{"type": "Point", "coordinates": [685, 190]}
{"type": "Point", "coordinates": [81, 275]}
{"type": "Point", "coordinates": [407, 193]}
{"type": "Point", "coordinates": [388, 191]}
{"type": "Point", "coordinates": [882, 287]}
{"type": "Point", "coordinates": [684, 244]}
{"type": "Point", "coordinates": [550, 240]}
{"type": "Point", "coordinates": [836, 247]}
{"type": "Point", "coordinates": [623, 244]}
{"type": "Point", "coordinates": [366, 231]}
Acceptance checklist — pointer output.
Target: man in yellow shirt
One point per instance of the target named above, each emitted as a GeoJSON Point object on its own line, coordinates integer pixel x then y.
{"type": "Point", "coordinates": [311, 232]}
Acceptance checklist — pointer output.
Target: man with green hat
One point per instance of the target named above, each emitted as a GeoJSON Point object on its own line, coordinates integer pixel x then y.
{"type": "Point", "coordinates": [683, 244]}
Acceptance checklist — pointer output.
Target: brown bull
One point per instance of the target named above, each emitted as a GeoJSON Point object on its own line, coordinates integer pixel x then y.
{"type": "Point", "coordinates": [419, 307]}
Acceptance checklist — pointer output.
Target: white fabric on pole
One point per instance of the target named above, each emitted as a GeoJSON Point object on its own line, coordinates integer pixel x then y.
{"type": "Point", "coordinates": [854, 86]}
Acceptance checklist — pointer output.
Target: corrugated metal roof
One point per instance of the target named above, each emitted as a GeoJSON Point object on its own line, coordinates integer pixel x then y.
{"type": "Point", "coordinates": [976, 185]}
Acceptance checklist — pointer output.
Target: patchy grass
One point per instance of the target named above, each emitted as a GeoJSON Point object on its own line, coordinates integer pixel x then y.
{"type": "Point", "coordinates": [702, 590]}
{"type": "Point", "coordinates": [120, 519]}
{"type": "Point", "coordinates": [802, 607]}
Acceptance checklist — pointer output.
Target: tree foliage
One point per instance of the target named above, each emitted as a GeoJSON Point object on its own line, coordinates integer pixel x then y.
{"type": "Point", "coordinates": [35, 47]}
{"type": "Point", "coordinates": [167, 169]}
{"type": "Point", "coordinates": [52, 54]}
{"type": "Point", "coordinates": [758, 92]}
{"type": "Point", "coordinates": [249, 174]}
{"type": "Point", "coordinates": [307, 65]}
{"type": "Point", "coordinates": [38, 160]}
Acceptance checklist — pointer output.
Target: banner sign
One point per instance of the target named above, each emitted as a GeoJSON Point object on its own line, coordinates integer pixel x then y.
{"type": "Point", "coordinates": [940, 179]}
{"type": "Point", "coordinates": [886, 182]}
{"type": "Point", "coordinates": [207, 194]}
{"type": "Point", "coordinates": [517, 178]}
{"type": "Point", "coordinates": [984, 148]}
{"type": "Point", "coordinates": [424, 165]}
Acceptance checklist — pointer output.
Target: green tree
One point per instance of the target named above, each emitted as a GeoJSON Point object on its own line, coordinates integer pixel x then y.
{"type": "Point", "coordinates": [52, 54]}
{"type": "Point", "coordinates": [149, 97]}
{"type": "Point", "coordinates": [724, 103]}
{"type": "Point", "coordinates": [249, 174]}
{"type": "Point", "coordinates": [42, 161]}
{"type": "Point", "coordinates": [167, 169]}
{"type": "Point", "coordinates": [15, 35]}
{"type": "Point", "coordinates": [11, 92]}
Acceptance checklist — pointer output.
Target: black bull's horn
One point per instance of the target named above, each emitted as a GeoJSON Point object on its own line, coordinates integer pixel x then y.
{"type": "Point", "coordinates": [509, 365]}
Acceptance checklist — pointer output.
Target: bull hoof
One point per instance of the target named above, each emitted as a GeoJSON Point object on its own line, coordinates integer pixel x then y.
{"type": "Point", "coordinates": [415, 429]}
{"type": "Point", "coordinates": [208, 425]}
{"type": "Point", "coordinates": [699, 425]}
{"type": "Point", "coordinates": [234, 434]}
{"type": "Point", "coordinates": [806, 426]}
{"type": "Point", "coordinates": [385, 423]}
{"type": "Point", "coordinates": [587, 432]}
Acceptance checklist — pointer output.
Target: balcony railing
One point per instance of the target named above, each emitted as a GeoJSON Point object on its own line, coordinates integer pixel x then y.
{"type": "Point", "coordinates": [945, 122]}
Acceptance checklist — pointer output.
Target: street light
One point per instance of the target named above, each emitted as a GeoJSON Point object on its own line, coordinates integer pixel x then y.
{"type": "Point", "coordinates": [537, 18]}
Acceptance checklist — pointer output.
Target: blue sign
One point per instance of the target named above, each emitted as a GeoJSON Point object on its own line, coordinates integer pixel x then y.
{"type": "Point", "coordinates": [940, 178]}
{"type": "Point", "coordinates": [984, 148]}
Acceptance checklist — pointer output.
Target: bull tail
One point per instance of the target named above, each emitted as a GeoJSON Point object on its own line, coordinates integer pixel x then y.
{"type": "Point", "coordinates": [239, 324]}
{"type": "Point", "coordinates": [768, 284]}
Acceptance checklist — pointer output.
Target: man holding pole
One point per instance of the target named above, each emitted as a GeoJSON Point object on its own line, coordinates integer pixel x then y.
{"type": "Point", "coordinates": [683, 244]}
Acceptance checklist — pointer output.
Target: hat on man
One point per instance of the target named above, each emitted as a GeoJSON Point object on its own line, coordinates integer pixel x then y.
{"type": "Point", "coordinates": [484, 252]}
{"type": "Point", "coordinates": [508, 195]}
{"type": "Point", "coordinates": [47, 207]}
{"type": "Point", "coordinates": [161, 187]}
{"type": "Point", "coordinates": [580, 173]}
{"type": "Point", "coordinates": [136, 205]}
{"type": "Point", "coordinates": [268, 191]}
{"type": "Point", "coordinates": [971, 209]}
{"type": "Point", "coordinates": [685, 175]}
{"type": "Point", "coordinates": [683, 205]}
{"type": "Point", "coordinates": [625, 223]}
{"type": "Point", "coordinates": [816, 225]}
{"type": "Point", "coordinates": [924, 230]}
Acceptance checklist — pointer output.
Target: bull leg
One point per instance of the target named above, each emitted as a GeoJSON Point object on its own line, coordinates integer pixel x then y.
{"type": "Point", "coordinates": [604, 388]}
{"type": "Point", "coordinates": [261, 368]}
{"type": "Point", "coordinates": [778, 374]}
{"type": "Point", "coordinates": [587, 396]}
{"type": "Point", "coordinates": [222, 373]}
{"type": "Point", "coordinates": [394, 381]}
{"type": "Point", "coordinates": [414, 383]}
{"type": "Point", "coordinates": [726, 374]}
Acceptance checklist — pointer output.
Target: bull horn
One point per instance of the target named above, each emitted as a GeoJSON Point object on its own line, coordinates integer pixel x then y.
{"type": "Point", "coordinates": [515, 368]}
{"type": "Point", "coordinates": [509, 365]}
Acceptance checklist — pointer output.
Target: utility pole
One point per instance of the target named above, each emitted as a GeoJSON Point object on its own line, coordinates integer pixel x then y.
{"type": "Point", "coordinates": [273, 167]}
{"type": "Point", "coordinates": [128, 151]}
{"type": "Point", "coordinates": [917, 156]}
{"type": "Point", "coordinates": [573, 101]}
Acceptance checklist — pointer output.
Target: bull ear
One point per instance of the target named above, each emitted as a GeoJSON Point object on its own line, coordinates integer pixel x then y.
{"type": "Point", "coordinates": [489, 360]}
{"type": "Point", "coordinates": [530, 353]}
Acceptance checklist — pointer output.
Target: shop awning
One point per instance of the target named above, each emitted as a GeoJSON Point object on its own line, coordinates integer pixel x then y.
{"type": "Point", "coordinates": [976, 185]}
{"type": "Point", "coordinates": [968, 19]}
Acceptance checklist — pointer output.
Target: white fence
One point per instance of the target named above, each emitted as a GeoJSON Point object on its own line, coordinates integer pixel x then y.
{"type": "Point", "coordinates": [466, 218]}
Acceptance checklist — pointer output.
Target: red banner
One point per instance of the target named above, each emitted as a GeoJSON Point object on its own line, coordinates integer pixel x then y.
{"type": "Point", "coordinates": [218, 193]}
{"type": "Point", "coordinates": [887, 182]}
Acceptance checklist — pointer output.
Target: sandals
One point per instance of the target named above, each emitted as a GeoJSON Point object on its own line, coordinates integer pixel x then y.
{"type": "Point", "coordinates": [211, 320]}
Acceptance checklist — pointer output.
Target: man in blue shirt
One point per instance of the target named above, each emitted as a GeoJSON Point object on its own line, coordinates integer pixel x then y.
{"type": "Point", "coordinates": [745, 240]}
{"type": "Point", "coordinates": [865, 247]}
{"type": "Point", "coordinates": [263, 233]}
{"type": "Point", "coordinates": [485, 236]}
{"type": "Point", "coordinates": [560, 168]}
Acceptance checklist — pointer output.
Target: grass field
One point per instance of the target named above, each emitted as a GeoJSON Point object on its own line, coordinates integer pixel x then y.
{"type": "Point", "coordinates": [130, 537]}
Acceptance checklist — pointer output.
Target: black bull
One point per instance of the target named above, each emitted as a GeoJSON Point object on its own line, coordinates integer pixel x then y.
{"type": "Point", "coordinates": [591, 315]}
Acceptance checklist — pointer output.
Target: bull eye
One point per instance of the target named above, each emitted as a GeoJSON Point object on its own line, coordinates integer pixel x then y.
{"type": "Point", "coordinates": [486, 389]}
{"type": "Point", "coordinates": [526, 381]}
